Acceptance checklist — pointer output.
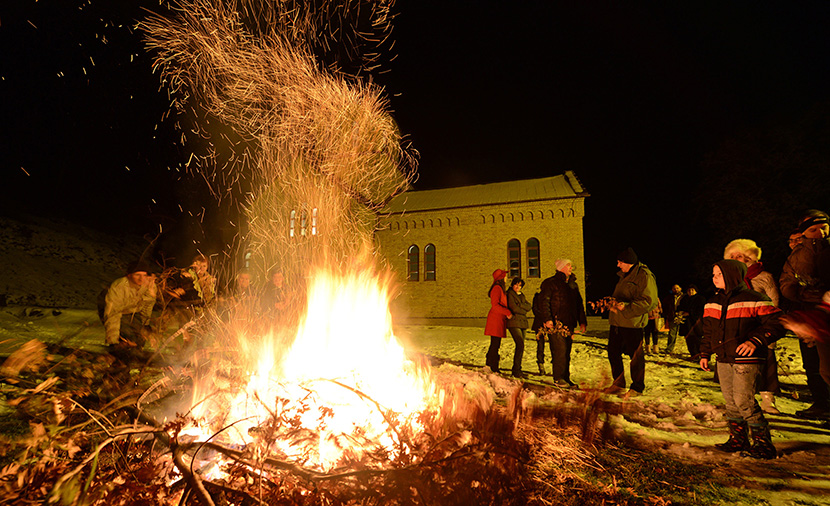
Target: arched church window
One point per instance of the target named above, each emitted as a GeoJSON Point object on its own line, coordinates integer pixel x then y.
{"type": "Point", "coordinates": [429, 262]}
{"type": "Point", "coordinates": [534, 267]}
{"type": "Point", "coordinates": [413, 260]}
{"type": "Point", "coordinates": [514, 258]}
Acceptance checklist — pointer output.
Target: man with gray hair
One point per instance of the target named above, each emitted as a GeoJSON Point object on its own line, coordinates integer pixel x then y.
{"type": "Point", "coordinates": [557, 310]}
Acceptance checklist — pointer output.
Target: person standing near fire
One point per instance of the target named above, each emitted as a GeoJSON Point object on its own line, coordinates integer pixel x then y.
{"type": "Point", "coordinates": [804, 279]}
{"type": "Point", "coordinates": [673, 317]}
{"type": "Point", "coordinates": [518, 304]}
{"type": "Point", "coordinates": [496, 326]}
{"type": "Point", "coordinates": [273, 296]}
{"type": "Point", "coordinates": [557, 312]}
{"type": "Point", "coordinates": [748, 252]}
{"type": "Point", "coordinates": [737, 325]}
{"type": "Point", "coordinates": [634, 296]}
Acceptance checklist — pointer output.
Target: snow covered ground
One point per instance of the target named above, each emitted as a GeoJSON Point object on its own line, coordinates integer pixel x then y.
{"type": "Point", "coordinates": [681, 411]}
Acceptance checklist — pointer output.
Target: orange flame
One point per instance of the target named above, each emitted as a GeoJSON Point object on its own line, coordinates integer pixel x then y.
{"type": "Point", "coordinates": [345, 382]}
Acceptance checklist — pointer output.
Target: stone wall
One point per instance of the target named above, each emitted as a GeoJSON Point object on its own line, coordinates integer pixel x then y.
{"type": "Point", "coordinates": [470, 244]}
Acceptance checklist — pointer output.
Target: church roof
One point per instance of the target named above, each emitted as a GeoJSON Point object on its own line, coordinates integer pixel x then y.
{"type": "Point", "coordinates": [555, 187]}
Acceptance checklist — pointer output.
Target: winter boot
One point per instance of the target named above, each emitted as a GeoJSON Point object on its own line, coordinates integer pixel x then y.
{"type": "Point", "coordinates": [542, 368]}
{"type": "Point", "coordinates": [738, 438]}
{"type": "Point", "coordinates": [768, 404]}
{"type": "Point", "coordinates": [654, 349]}
{"type": "Point", "coordinates": [762, 447]}
{"type": "Point", "coordinates": [492, 361]}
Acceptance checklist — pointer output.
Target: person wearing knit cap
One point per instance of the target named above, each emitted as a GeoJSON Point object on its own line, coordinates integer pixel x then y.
{"type": "Point", "coordinates": [557, 310]}
{"type": "Point", "coordinates": [125, 308]}
{"type": "Point", "coordinates": [634, 296]}
{"type": "Point", "coordinates": [803, 281]}
{"type": "Point", "coordinates": [496, 326]}
{"type": "Point", "coordinates": [812, 326]}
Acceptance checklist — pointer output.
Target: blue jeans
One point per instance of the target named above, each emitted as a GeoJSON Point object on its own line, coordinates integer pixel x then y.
{"type": "Point", "coordinates": [737, 384]}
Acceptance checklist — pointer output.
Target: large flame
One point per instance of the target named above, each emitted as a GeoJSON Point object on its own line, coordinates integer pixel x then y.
{"type": "Point", "coordinates": [343, 388]}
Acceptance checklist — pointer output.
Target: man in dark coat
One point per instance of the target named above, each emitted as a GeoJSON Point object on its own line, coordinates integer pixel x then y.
{"type": "Point", "coordinates": [692, 305]}
{"type": "Point", "coordinates": [557, 311]}
{"type": "Point", "coordinates": [803, 281]}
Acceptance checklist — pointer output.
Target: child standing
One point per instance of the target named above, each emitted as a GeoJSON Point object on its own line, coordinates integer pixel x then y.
{"type": "Point", "coordinates": [738, 324]}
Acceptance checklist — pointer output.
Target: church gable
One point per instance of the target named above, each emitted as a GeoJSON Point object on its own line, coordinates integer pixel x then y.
{"type": "Point", "coordinates": [444, 247]}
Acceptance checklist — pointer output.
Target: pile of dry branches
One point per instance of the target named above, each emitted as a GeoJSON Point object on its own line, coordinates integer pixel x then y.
{"type": "Point", "coordinates": [83, 447]}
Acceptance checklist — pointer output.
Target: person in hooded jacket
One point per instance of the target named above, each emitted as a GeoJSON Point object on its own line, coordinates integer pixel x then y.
{"type": "Point", "coordinates": [738, 324]}
{"type": "Point", "coordinates": [497, 318]}
{"type": "Point", "coordinates": [748, 252]}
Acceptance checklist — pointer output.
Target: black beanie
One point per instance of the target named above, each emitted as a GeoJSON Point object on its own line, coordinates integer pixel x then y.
{"type": "Point", "coordinates": [137, 266]}
{"type": "Point", "coordinates": [812, 217]}
{"type": "Point", "coordinates": [627, 256]}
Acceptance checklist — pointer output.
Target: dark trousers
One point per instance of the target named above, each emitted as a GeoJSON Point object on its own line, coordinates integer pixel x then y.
{"type": "Point", "coordinates": [492, 359]}
{"type": "Point", "coordinates": [816, 384]}
{"type": "Point", "coordinates": [628, 341]}
{"type": "Point", "coordinates": [693, 344]}
{"type": "Point", "coordinates": [768, 381]}
{"type": "Point", "coordinates": [518, 336]}
{"type": "Point", "coordinates": [560, 355]}
{"type": "Point", "coordinates": [651, 332]}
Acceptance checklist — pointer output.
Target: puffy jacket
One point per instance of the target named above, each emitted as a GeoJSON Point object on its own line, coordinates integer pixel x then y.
{"type": "Point", "coordinates": [638, 290]}
{"type": "Point", "coordinates": [800, 279]}
{"type": "Point", "coordinates": [736, 315]}
{"type": "Point", "coordinates": [556, 301]}
{"type": "Point", "coordinates": [518, 304]}
{"type": "Point", "coordinates": [762, 282]}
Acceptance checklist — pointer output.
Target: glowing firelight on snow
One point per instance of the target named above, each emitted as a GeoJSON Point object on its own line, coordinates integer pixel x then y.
{"type": "Point", "coordinates": [345, 386]}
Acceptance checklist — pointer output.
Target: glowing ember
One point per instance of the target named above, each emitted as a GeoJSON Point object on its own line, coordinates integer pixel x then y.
{"type": "Point", "coordinates": [345, 387]}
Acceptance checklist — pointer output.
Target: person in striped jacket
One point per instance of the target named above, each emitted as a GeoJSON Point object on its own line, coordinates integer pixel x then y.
{"type": "Point", "coordinates": [737, 325]}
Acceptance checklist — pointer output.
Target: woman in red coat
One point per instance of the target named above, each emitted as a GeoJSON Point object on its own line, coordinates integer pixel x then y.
{"type": "Point", "coordinates": [497, 318]}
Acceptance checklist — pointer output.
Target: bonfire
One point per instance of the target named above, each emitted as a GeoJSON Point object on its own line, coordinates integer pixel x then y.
{"type": "Point", "coordinates": [322, 405]}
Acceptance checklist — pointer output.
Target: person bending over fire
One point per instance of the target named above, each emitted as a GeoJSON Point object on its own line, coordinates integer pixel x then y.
{"type": "Point", "coordinates": [125, 308]}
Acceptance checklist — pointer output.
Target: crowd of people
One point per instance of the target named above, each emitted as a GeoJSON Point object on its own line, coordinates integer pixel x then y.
{"type": "Point", "coordinates": [733, 333]}
{"type": "Point", "coordinates": [142, 304]}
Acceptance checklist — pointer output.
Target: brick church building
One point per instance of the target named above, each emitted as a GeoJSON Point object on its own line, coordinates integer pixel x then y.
{"type": "Point", "coordinates": [445, 244]}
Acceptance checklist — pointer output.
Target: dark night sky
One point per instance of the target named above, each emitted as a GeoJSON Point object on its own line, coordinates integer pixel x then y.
{"type": "Point", "coordinates": [629, 95]}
